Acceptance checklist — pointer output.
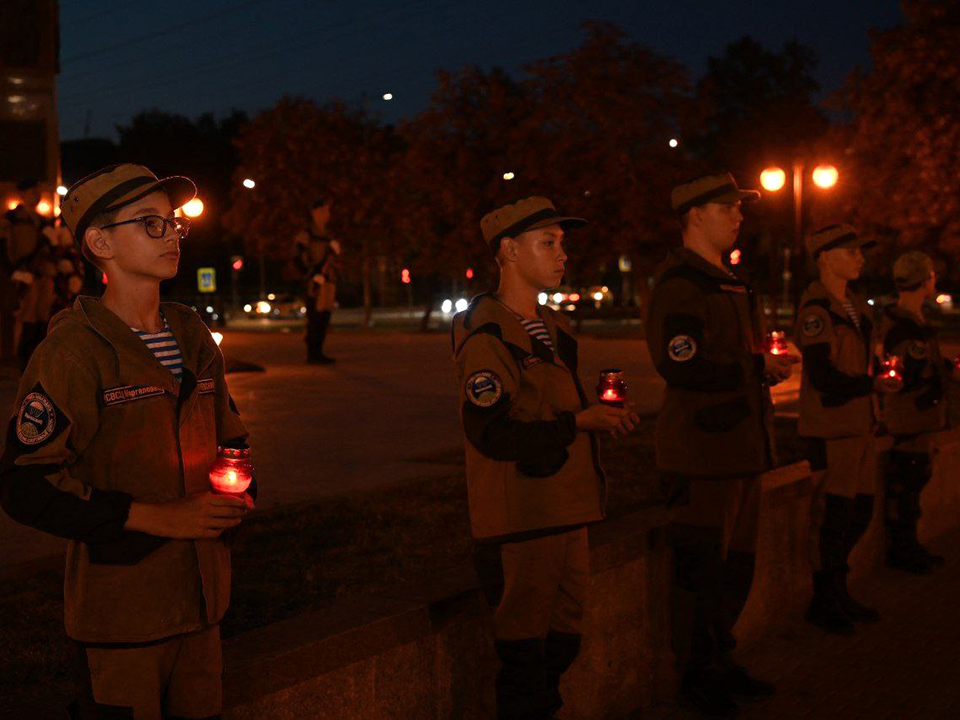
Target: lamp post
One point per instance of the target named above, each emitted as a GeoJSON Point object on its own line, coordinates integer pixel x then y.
{"type": "Point", "coordinates": [773, 179]}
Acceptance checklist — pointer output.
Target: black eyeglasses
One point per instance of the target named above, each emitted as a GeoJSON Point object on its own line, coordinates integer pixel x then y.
{"type": "Point", "coordinates": [156, 226]}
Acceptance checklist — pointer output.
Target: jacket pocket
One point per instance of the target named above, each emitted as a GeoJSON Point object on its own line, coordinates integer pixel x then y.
{"type": "Point", "coordinates": [722, 416]}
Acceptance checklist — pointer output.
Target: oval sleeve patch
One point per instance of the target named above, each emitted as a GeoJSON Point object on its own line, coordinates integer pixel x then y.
{"type": "Point", "coordinates": [682, 348]}
{"type": "Point", "coordinates": [484, 388]}
{"type": "Point", "coordinates": [36, 419]}
{"type": "Point", "coordinates": [812, 325]}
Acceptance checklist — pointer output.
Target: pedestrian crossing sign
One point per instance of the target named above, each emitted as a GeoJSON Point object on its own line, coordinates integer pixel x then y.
{"type": "Point", "coordinates": [207, 280]}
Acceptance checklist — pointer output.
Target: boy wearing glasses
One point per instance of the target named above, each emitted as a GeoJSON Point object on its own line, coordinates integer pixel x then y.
{"type": "Point", "coordinates": [118, 419]}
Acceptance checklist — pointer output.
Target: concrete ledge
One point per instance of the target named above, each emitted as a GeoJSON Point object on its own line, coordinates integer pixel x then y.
{"type": "Point", "coordinates": [427, 652]}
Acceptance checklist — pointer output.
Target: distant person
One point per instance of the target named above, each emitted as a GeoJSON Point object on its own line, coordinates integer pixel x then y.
{"type": "Point", "coordinates": [318, 258]}
{"type": "Point", "coordinates": [21, 236]}
{"type": "Point", "coordinates": [707, 337]}
{"type": "Point", "coordinates": [533, 473]}
{"type": "Point", "coordinates": [838, 419]}
{"type": "Point", "coordinates": [116, 427]}
{"type": "Point", "coordinates": [70, 268]}
{"type": "Point", "coordinates": [915, 413]}
{"type": "Point", "coordinates": [36, 306]}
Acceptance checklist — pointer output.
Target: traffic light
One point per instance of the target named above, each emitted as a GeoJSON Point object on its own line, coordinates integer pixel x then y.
{"type": "Point", "coordinates": [405, 276]}
{"type": "Point", "coordinates": [236, 262]}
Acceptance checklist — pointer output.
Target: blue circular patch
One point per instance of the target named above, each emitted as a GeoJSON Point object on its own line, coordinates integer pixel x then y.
{"type": "Point", "coordinates": [682, 348]}
{"type": "Point", "coordinates": [36, 420]}
{"type": "Point", "coordinates": [484, 388]}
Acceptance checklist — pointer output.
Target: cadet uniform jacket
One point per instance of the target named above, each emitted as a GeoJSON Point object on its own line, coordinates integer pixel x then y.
{"type": "Point", "coordinates": [100, 423]}
{"type": "Point", "coordinates": [529, 471]}
{"type": "Point", "coordinates": [920, 407]}
{"type": "Point", "coordinates": [706, 335]}
{"type": "Point", "coordinates": [836, 386]}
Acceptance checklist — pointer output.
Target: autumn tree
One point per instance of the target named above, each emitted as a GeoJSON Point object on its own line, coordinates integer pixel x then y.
{"type": "Point", "coordinates": [904, 133]}
{"type": "Point", "coordinates": [298, 152]}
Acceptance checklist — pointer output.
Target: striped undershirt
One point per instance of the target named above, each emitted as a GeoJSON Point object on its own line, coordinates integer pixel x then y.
{"type": "Point", "coordinates": [164, 346]}
{"type": "Point", "coordinates": [852, 313]}
{"type": "Point", "coordinates": [537, 329]}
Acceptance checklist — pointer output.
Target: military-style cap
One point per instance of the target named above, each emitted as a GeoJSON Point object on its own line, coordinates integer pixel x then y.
{"type": "Point", "coordinates": [719, 188]}
{"type": "Point", "coordinates": [833, 236]}
{"type": "Point", "coordinates": [114, 187]}
{"type": "Point", "coordinates": [911, 270]}
{"type": "Point", "coordinates": [522, 216]}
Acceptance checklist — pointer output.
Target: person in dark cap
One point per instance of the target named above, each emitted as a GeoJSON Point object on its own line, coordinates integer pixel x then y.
{"type": "Point", "coordinates": [118, 420]}
{"type": "Point", "coordinates": [915, 413]}
{"type": "Point", "coordinates": [838, 419]}
{"type": "Point", "coordinates": [318, 258]}
{"type": "Point", "coordinates": [706, 335]}
{"type": "Point", "coordinates": [533, 475]}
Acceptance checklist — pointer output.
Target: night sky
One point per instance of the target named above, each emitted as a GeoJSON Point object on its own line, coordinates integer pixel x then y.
{"type": "Point", "coordinates": [189, 57]}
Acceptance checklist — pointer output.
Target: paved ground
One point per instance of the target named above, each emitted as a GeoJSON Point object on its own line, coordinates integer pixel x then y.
{"type": "Point", "coordinates": [907, 666]}
{"type": "Point", "coordinates": [388, 404]}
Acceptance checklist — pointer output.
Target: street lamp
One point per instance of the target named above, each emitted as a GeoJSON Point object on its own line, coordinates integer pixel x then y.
{"type": "Point", "coordinates": [773, 179]}
{"type": "Point", "coordinates": [508, 176]}
{"type": "Point", "coordinates": [194, 208]}
{"type": "Point", "coordinates": [825, 176]}
{"type": "Point", "coordinates": [673, 142]}
{"type": "Point", "coordinates": [61, 190]}
{"type": "Point", "coordinates": [249, 184]}
{"type": "Point", "coordinates": [388, 96]}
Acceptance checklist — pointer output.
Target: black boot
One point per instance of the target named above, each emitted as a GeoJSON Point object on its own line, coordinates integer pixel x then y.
{"type": "Point", "coordinates": [704, 690]}
{"type": "Point", "coordinates": [560, 650]}
{"type": "Point", "coordinates": [825, 610]}
{"type": "Point", "coordinates": [855, 611]}
{"type": "Point", "coordinates": [522, 680]}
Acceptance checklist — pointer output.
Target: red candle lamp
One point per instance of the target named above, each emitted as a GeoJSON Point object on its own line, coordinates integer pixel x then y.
{"type": "Point", "coordinates": [893, 367]}
{"type": "Point", "coordinates": [232, 472]}
{"type": "Point", "coordinates": [777, 342]}
{"type": "Point", "coordinates": [612, 388]}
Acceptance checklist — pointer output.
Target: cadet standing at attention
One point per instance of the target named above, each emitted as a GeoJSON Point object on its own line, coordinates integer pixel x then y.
{"type": "Point", "coordinates": [714, 437]}
{"type": "Point", "coordinates": [838, 417]}
{"type": "Point", "coordinates": [118, 420]}
{"type": "Point", "coordinates": [533, 473]}
{"type": "Point", "coordinates": [913, 414]}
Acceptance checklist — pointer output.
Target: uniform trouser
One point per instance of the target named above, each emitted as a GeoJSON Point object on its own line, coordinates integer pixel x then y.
{"type": "Point", "coordinates": [908, 471]}
{"type": "Point", "coordinates": [179, 677]}
{"type": "Point", "coordinates": [538, 588]}
{"type": "Point", "coordinates": [713, 532]}
{"type": "Point", "coordinates": [318, 321]}
{"type": "Point", "coordinates": [845, 482]}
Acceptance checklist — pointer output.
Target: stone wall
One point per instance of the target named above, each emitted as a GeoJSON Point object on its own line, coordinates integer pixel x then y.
{"type": "Point", "coordinates": [427, 652]}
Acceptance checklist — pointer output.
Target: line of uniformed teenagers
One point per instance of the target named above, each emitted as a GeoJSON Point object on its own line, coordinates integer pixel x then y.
{"type": "Point", "coordinates": [534, 477]}
{"type": "Point", "coordinates": [148, 574]}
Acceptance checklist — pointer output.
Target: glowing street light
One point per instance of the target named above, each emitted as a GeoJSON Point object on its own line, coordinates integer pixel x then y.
{"type": "Point", "coordinates": [508, 176]}
{"type": "Point", "coordinates": [388, 96]}
{"type": "Point", "coordinates": [194, 208]}
{"type": "Point", "coordinates": [674, 142]}
{"type": "Point", "coordinates": [249, 184]}
{"type": "Point", "coordinates": [61, 190]}
{"type": "Point", "coordinates": [773, 179]}
{"type": "Point", "coordinates": [44, 208]}
{"type": "Point", "coordinates": [825, 176]}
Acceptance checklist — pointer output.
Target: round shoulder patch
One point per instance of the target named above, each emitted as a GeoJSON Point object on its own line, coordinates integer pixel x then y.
{"type": "Point", "coordinates": [682, 348]}
{"type": "Point", "coordinates": [484, 388]}
{"type": "Point", "coordinates": [36, 419]}
{"type": "Point", "coordinates": [812, 325]}
{"type": "Point", "coordinates": [917, 350]}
